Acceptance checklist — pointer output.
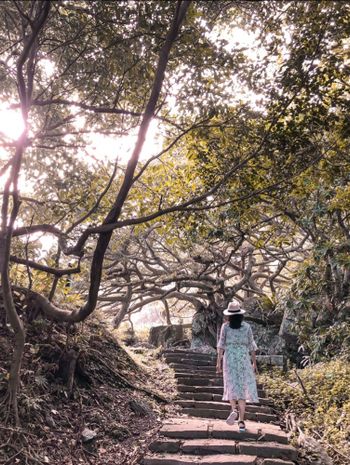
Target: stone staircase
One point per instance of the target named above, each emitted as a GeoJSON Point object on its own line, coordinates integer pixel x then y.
{"type": "Point", "coordinates": [201, 437]}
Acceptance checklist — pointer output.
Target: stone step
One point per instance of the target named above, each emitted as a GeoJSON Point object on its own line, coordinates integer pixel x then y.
{"type": "Point", "coordinates": [277, 462]}
{"type": "Point", "coordinates": [207, 389]}
{"type": "Point", "coordinates": [193, 428]}
{"type": "Point", "coordinates": [270, 450]}
{"type": "Point", "coordinates": [191, 358]}
{"type": "Point", "coordinates": [225, 406]}
{"type": "Point", "coordinates": [205, 396]}
{"type": "Point", "coordinates": [195, 446]}
{"type": "Point", "coordinates": [254, 431]}
{"type": "Point", "coordinates": [188, 353]}
{"type": "Point", "coordinates": [192, 368]}
{"type": "Point", "coordinates": [190, 361]}
{"type": "Point", "coordinates": [212, 388]}
{"type": "Point", "coordinates": [269, 360]}
{"type": "Point", "coordinates": [170, 459]}
{"type": "Point", "coordinates": [170, 446]}
{"type": "Point", "coordinates": [200, 375]}
{"type": "Point", "coordinates": [197, 381]}
{"type": "Point", "coordinates": [209, 446]}
{"type": "Point", "coordinates": [221, 414]}
{"type": "Point", "coordinates": [197, 374]}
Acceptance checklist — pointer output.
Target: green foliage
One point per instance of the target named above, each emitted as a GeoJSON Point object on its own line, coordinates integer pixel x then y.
{"type": "Point", "coordinates": [287, 148]}
{"type": "Point", "coordinates": [319, 310]}
{"type": "Point", "coordinates": [331, 341]}
{"type": "Point", "coordinates": [328, 386]}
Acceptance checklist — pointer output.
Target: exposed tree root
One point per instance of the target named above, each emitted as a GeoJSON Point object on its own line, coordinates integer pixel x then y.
{"type": "Point", "coordinates": [18, 443]}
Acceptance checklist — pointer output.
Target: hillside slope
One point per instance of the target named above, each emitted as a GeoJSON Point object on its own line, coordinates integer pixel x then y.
{"type": "Point", "coordinates": [106, 413]}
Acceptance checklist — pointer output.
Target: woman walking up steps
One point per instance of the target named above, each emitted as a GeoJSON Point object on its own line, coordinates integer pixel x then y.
{"type": "Point", "coordinates": [237, 361]}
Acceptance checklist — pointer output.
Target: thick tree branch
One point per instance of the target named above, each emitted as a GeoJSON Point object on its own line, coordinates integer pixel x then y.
{"type": "Point", "coordinates": [48, 228]}
{"type": "Point", "coordinates": [46, 269]}
{"type": "Point", "coordinates": [9, 212]}
{"type": "Point", "coordinates": [114, 213]}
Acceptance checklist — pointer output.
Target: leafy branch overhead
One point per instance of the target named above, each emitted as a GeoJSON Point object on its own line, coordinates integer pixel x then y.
{"type": "Point", "coordinates": [242, 188]}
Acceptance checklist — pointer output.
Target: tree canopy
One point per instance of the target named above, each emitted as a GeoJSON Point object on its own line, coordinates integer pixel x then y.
{"type": "Point", "coordinates": [248, 194]}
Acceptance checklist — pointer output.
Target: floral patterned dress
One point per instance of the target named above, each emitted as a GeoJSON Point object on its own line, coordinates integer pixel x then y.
{"type": "Point", "coordinates": [239, 378]}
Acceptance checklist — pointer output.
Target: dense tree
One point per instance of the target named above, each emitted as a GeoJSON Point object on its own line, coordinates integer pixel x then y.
{"type": "Point", "coordinates": [76, 70]}
{"type": "Point", "coordinates": [173, 262]}
{"type": "Point", "coordinates": [254, 149]}
{"type": "Point", "coordinates": [29, 23]}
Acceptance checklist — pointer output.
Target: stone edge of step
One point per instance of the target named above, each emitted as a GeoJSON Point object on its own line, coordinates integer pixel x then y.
{"type": "Point", "coordinates": [223, 459]}
{"type": "Point", "coordinates": [210, 446]}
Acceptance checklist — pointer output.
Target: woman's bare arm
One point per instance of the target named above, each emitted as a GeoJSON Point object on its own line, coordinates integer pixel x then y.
{"type": "Point", "coordinates": [219, 361]}
{"type": "Point", "coordinates": [253, 355]}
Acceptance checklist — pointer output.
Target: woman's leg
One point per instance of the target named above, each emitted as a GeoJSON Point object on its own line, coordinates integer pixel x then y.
{"type": "Point", "coordinates": [233, 405]}
{"type": "Point", "coordinates": [230, 420]}
{"type": "Point", "coordinates": [241, 409]}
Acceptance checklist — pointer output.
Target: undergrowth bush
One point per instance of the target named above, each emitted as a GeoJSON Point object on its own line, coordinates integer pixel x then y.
{"type": "Point", "coordinates": [324, 410]}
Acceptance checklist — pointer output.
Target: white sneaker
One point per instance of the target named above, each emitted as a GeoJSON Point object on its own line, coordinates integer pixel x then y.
{"type": "Point", "coordinates": [232, 417]}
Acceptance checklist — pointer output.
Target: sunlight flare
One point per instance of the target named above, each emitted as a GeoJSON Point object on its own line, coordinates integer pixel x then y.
{"type": "Point", "coordinates": [11, 124]}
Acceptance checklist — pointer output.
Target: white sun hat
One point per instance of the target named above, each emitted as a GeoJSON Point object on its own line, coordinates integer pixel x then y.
{"type": "Point", "coordinates": [234, 308]}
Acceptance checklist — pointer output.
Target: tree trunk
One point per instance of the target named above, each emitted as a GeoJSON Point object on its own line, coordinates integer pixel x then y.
{"type": "Point", "coordinates": [18, 328]}
{"type": "Point", "coordinates": [205, 326]}
{"type": "Point", "coordinates": [67, 368]}
{"type": "Point", "coordinates": [14, 379]}
{"type": "Point", "coordinates": [167, 312]}
{"type": "Point", "coordinates": [10, 199]}
{"type": "Point", "coordinates": [123, 311]}
{"type": "Point", "coordinates": [25, 80]}
{"type": "Point", "coordinates": [346, 283]}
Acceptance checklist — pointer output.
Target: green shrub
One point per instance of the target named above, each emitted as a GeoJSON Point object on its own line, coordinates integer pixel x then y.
{"type": "Point", "coordinates": [324, 411]}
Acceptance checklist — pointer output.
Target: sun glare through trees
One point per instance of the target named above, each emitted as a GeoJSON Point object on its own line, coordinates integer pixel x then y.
{"type": "Point", "coordinates": [158, 160]}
